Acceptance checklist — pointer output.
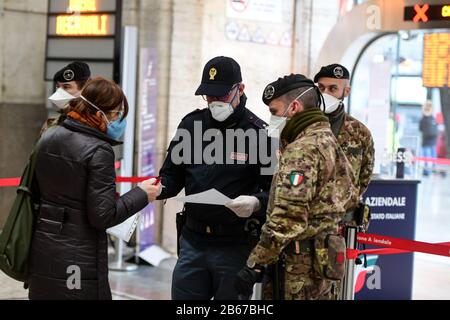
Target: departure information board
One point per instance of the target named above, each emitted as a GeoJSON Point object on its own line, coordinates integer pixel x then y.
{"type": "Point", "coordinates": [436, 60]}
{"type": "Point", "coordinates": [423, 12]}
{"type": "Point", "coordinates": [85, 30]}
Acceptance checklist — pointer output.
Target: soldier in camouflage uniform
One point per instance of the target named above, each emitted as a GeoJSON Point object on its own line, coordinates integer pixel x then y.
{"type": "Point", "coordinates": [353, 137]}
{"type": "Point", "coordinates": [308, 199]}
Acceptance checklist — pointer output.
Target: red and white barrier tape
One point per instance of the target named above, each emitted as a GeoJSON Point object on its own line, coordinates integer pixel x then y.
{"type": "Point", "coordinates": [15, 182]}
{"type": "Point", "coordinates": [10, 182]}
{"type": "Point", "coordinates": [397, 246]}
{"type": "Point", "coordinates": [434, 160]}
{"type": "Point", "coordinates": [132, 179]}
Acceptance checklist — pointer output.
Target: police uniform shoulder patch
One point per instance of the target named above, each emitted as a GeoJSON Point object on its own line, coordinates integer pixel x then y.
{"type": "Point", "coordinates": [296, 178]}
{"type": "Point", "coordinates": [255, 120]}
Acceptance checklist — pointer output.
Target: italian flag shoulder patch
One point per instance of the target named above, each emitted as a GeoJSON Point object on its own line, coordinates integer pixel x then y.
{"type": "Point", "coordinates": [296, 178]}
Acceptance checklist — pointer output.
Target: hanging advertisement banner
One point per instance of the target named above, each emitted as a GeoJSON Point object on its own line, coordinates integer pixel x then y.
{"type": "Point", "coordinates": [147, 139]}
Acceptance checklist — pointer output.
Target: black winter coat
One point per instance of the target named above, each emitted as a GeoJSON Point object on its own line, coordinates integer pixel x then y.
{"type": "Point", "coordinates": [76, 177]}
{"type": "Point", "coordinates": [429, 130]}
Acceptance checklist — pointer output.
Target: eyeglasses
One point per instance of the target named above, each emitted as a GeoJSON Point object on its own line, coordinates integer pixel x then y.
{"type": "Point", "coordinates": [224, 98]}
{"type": "Point", "coordinates": [117, 111]}
{"type": "Point", "coordinates": [120, 112]}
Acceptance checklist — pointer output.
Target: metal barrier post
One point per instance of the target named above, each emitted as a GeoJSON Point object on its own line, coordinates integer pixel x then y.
{"type": "Point", "coordinates": [118, 264]}
{"type": "Point", "coordinates": [129, 66]}
{"type": "Point", "coordinates": [257, 292]}
{"type": "Point", "coordinates": [348, 283]}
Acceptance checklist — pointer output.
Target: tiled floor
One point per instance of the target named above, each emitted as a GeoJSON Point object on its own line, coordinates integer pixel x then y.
{"type": "Point", "coordinates": [431, 273]}
{"type": "Point", "coordinates": [146, 283]}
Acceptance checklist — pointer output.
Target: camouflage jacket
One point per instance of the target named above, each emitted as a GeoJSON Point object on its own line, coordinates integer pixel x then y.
{"type": "Point", "coordinates": [309, 193]}
{"type": "Point", "coordinates": [356, 141]}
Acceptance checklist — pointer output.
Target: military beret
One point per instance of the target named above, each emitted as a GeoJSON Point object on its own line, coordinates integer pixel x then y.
{"type": "Point", "coordinates": [75, 71]}
{"type": "Point", "coordinates": [335, 70]}
{"type": "Point", "coordinates": [284, 85]}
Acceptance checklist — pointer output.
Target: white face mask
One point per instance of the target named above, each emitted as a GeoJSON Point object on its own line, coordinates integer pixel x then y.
{"type": "Point", "coordinates": [331, 103]}
{"type": "Point", "coordinates": [61, 98]}
{"type": "Point", "coordinates": [221, 111]}
{"type": "Point", "coordinates": [277, 123]}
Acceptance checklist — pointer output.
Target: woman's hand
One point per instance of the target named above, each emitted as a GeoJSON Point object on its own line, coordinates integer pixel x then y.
{"type": "Point", "coordinates": [152, 187]}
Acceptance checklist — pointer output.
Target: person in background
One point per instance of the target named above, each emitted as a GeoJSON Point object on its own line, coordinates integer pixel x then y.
{"type": "Point", "coordinates": [69, 81]}
{"type": "Point", "coordinates": [429, 129]}
{"type": "Point", "coordinates": [352, 135]}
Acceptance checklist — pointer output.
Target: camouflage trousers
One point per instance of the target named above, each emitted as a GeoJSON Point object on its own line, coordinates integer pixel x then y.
{"type": "Point", "coordinates": [301, 282]}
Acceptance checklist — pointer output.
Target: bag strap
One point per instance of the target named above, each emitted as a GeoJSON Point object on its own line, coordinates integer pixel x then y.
{"type": "Point", "coordinates": [25, 187]}
{"type": "Point", "coordinates": [24, 190]}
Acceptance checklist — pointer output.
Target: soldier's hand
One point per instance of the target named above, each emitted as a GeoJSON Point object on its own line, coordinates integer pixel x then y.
{"type": "Point", "coordinates": [152, 188]}
{"type": "Point", "coordinates": [246, 279]}
{"type": "Point", "coordinates": [244, 206]}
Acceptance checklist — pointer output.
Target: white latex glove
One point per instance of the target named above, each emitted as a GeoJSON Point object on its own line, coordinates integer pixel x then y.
{"type": "Point", "coordinates": [244, 206]}
{"type": "Point", "coordinates": [152, 190]}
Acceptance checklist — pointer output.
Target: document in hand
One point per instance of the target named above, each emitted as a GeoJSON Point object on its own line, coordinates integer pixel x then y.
{"type": "Point", "coordinates": [125, 230]}
{"type": "Point", "coordinates": [154, 255]}
{"type": "Point", "coordinates": [211, 196]}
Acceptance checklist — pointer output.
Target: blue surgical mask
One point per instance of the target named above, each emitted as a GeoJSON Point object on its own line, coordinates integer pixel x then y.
{"type": "Point", "coordinates": [115, 128]}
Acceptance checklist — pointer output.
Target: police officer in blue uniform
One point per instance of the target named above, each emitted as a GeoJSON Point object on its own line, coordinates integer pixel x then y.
{"type": "Point", "coordinates": [215, 240]}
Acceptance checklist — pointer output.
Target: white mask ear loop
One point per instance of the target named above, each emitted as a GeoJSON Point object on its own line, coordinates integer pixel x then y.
{"type": "Point", "coordinates": [93, 105]}
{"type": "Point", "coordinates": [321, 101]}
{"type": "Point", "coordinates": [301, 95]}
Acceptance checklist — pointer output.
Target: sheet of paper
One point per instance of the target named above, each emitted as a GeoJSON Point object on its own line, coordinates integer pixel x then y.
{"type": "Point", "coordinates": [211, 196]}
{"type": "Point", "coordinates": [125, 230]}
{"type": "Point", "coordinates": [154, 255]}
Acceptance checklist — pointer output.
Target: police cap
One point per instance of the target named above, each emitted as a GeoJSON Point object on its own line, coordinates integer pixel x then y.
{"type": "Point", "coordinates": [219, 76]}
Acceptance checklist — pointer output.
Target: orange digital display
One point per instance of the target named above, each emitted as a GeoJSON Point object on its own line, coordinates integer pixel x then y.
{"type": "Point", "coordinates": [83, 5]}
{"type": "Point", "coordinates": [83, 21]}
{"type": "Point", "coordinates": [446, 11]}
{"type": "Point", "coordinates": [436, 60]}
{"type": "Point", "coordinates": [82, 25]}
{"type": "Point", "coordinates": [424, 12]}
